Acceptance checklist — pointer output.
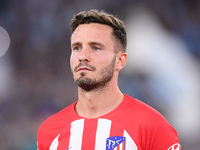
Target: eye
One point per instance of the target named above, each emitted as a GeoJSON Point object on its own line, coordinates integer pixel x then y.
{"type": "Point", "coordinates": [77, 48]}
{"type": "Point", "coordinates": [96, 48]}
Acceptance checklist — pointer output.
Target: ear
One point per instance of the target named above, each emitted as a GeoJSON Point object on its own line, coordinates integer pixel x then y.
{"type": "Point", "coordinates": [121, 60]}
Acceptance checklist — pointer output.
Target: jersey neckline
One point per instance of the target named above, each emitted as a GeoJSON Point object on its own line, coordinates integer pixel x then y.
{"type": "Point", "coordinates": [103, 116]}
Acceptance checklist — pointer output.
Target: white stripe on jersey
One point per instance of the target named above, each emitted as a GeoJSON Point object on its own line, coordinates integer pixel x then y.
{"type": "Point", "coordinates": [103, 132]}
{"type": "Point", "coordinates": [76, 134]}
{"type": "Point", "coordinates": [130, 144]}
{"type": "Point", "coordinates": [54, 144]}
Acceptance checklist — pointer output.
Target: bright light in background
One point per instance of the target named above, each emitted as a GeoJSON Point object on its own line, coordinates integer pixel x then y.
{"type": "Point", "coordinates": [4, 41]}
{"type": "Point", "coordinates": [6, 79]}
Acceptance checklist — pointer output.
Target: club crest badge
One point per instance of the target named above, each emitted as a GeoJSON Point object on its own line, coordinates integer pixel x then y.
{"type": "Point", "coordinates": [115, 143]}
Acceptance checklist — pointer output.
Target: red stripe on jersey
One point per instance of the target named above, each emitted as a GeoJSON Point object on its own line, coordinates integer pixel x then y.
{"type": "Point", "coordinates": [118, 147]}
{"type": "Point", "coordinates": [64, 137]}
{"type": "Point", "coordinates": [116, 130]}
{"type": "Point", "coordinates": [123, 145]}
{"type": "Point", "coordinates": [90, 127]}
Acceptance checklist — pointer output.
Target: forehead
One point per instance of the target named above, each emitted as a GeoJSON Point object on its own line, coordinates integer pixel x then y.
{"type": "Point", "coordinates": [92, 32]}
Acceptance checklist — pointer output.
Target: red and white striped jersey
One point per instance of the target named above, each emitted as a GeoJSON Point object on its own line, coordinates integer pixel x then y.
{"type": "Point", "coordinates": [133, 125]}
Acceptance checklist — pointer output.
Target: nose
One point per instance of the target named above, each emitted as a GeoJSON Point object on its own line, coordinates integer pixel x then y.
{"type": "Point", "coordinates": [84, 55]}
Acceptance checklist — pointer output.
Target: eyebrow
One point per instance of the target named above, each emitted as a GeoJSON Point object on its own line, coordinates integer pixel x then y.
{"type": "Point", "coordinates": [97, 43]}
{"type": "Point", "coordinates": [74, 44]}
{"type": "Point", "coordinates": [90, 43]}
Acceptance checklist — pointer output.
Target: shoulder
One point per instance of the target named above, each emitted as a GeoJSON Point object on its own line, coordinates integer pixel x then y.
{"type": "Point", "coordinates": [152, 125]}
{"type": "Point", "coordinates": [140, 108]}
{"type": "Point", "coordinates": [52, 126]}
{"type": "Point", "coordinates": [144, 112]}
{"type": "Point", "coordinates": [58, 118]}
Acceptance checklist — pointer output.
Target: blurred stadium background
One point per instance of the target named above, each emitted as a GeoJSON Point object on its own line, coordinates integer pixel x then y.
{"type": "Point", "coordinates": [163, 67]}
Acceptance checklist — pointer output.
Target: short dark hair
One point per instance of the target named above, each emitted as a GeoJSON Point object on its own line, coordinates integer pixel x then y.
{"type": "Point", "coordinates": [101, 17]}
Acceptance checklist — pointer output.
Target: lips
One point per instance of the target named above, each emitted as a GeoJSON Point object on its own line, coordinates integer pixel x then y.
{"type": "Point", "coordinates": [83, 69]}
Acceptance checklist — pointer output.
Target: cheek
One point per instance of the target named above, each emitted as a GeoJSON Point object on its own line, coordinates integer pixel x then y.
{"type": "Point", "coordinates": [105, 58]}
{"type": "Point", "coordinates": [72, 61]}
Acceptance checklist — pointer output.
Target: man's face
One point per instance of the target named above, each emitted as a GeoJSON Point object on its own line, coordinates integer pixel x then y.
{"type": "Point", "coordinates": [92, 58]}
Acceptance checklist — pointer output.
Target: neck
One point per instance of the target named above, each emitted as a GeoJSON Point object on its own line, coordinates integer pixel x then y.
{"type": "Point", "coordinates": [96, 103]}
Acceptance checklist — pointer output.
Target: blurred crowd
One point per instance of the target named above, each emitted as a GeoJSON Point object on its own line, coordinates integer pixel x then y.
{"type": "Point", "coordinates": [163, 68]}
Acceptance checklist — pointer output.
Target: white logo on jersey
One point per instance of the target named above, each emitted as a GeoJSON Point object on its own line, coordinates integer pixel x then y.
{"type": "Point", "coordinates": [176, 146]}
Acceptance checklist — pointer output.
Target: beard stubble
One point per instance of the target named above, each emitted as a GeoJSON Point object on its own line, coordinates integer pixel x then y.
{"type": "Point", "coordinates": [91, 84]}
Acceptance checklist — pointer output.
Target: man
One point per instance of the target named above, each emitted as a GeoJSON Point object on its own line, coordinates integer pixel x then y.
{"type": "Point", "coordinates": [103, 118]}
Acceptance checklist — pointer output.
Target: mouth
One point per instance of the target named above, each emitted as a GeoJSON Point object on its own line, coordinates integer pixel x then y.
{"type": "Point", "coordinates": [83, 69]}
